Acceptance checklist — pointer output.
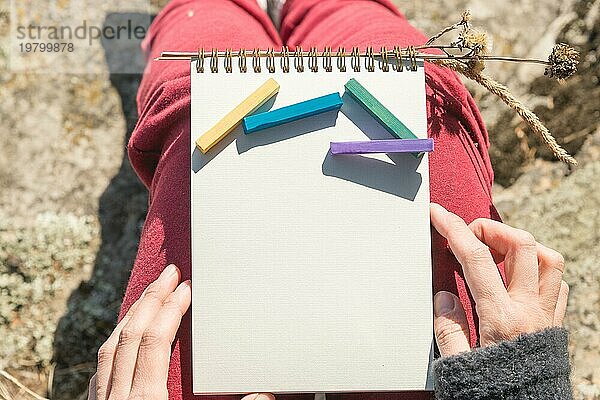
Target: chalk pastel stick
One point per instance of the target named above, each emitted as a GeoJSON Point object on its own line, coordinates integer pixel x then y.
{"type": "Point", "coordinates": [230, 121]}
{"type": "Point", "coordinates": [382, 146]}
{"type": "Point", "coordinates": [294, 112]}
{"type": "Point", "coordinates": [384, 116]}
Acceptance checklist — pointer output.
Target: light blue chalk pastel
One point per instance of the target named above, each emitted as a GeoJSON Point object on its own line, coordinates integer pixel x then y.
{"type": "Point", "coordinates": [294, 112]}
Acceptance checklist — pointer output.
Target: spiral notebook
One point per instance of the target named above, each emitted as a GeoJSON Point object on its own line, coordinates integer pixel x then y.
{"type": "Point", "coordinates": [311, 272]}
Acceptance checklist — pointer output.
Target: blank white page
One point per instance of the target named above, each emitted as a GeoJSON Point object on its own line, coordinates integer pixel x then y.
{"type": "Point", "coordinates": [311, 272]}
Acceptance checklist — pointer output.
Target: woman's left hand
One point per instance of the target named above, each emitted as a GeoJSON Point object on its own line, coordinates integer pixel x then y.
{"type": "Point", "coordinates": [133, 363]}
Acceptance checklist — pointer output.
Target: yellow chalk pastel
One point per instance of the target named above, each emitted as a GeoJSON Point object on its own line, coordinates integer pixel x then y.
{"type": "Point", "coordinates": [230, 121]}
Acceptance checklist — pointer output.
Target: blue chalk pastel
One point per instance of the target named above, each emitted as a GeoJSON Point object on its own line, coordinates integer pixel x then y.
{"type": "Point", "coordinates": [294, 112]}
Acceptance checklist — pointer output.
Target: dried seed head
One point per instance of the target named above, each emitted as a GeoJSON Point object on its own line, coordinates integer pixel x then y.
{"type": "Point", "coordinates": [475, 39]}
{"type": "Point", "coordinates": [563, 62]}
{"type": "Point", "coordinates": [476, 65]}
{"type": "Point", "coordinates": [466, 17]}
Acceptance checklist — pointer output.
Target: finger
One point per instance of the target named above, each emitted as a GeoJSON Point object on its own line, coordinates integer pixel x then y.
{"type": "Point", "coordinates": [106, 355]}
{"type": "Point", "coordinates": [519, 249]}
{"type": "Point", "coordinates": [450, 324]}
{"type": "Point", "coordinates": [259, 396]}
{"type": "Point", "coordinates": [561, 304]}
{"type": "Point", "coordinates": [131, 334]}
{"type": "Point", "coordinates": [92, 388]}
{"type": "Point", "coordinates": [155, 347]}
{"type": "Point", "coordinates": [480, 271]}
{"type": "Point", "coordinates": [551, 267]}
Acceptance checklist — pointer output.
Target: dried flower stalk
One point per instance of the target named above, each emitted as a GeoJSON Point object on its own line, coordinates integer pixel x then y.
{"type": "Point", "coordinates": [561, 64]}
{"type": "Point", "coordinates": [507, 97]}
{"type": "Point", "coordinates": [467, 55]}
{"type": "Point", "coordinates": [24, 388]}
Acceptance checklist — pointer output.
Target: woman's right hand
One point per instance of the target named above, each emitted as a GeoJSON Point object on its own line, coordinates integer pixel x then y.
{"type": "Point", "coordinates": [535, 297]}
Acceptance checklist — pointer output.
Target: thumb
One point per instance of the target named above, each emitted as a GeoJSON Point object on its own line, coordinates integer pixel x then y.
{"type": "Point", "coordinates": [259, 396]}
{"type": "Point", "coordinates": [450, 324]}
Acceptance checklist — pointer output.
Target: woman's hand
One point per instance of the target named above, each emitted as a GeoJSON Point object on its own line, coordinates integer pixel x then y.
{"type": "Point", "coordinates": [535, 297]}
{"type": "Point", "coordinates": [133, 363]}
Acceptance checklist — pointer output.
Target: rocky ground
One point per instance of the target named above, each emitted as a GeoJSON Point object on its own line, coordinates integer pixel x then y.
{"type": "Point", "coordinates": [71, 208]}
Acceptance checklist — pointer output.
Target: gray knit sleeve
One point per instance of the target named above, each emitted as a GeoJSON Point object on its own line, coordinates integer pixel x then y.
{"type": "Point", "coordinates": [533, 366]}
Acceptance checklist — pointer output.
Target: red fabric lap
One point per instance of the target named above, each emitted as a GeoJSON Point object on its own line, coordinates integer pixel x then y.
{"type": "Point", "coordinates": [460, 173]}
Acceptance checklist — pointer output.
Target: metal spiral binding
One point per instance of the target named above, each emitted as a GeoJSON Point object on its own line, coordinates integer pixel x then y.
{"type": "Point", "coordinates": [299, 59]}
{"type": "Point", "coordinates": [341, 59]}
{"type": "Point", "coordinates": [242, 61]}
{"type": "Point", "coordinates": [285, 59]}
{"type": "Point", "coordinates": [270, 60]}
{"type": "Point", "coordinates": [228, 61]}
{"type": "Point", "coordinates": [256, 60]}
{"type": "Point", "coordinates": [313, 61]}
{"type": "Point", "coordinates": [384, 64]}
{"type": "Point", "coordinates": [327, 66]}
{"type": "Point", "coordinates": [412, 56]}
{"type": "Point", "coordinates": [214, 61]}
{"type": "Point", "coordinates": [370, 59]}
{"type": "Point", "coordinates": [396, 57]}
{"type": "Point", "coordinates": [355, 59]}
{"type": "Point", "coordinates": [200, 62]}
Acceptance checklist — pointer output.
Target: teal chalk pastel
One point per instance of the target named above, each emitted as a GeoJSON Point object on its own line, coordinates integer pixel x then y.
{"type": "Point", "coordinates": [377, 110]}
{"type": "Point", "coordinates": [294, 112]}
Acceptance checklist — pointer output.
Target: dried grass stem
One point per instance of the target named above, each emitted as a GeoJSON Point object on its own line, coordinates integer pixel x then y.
{"type": "Point", "coordinates": [24, 388]}
{"type": "Point", "coordinates": [507, 97]}
{"type": "Point", "coordinates": [473, 45]}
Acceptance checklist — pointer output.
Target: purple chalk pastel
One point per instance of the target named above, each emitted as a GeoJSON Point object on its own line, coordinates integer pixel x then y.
{"type": "Point", "coordinates": [382, 146]}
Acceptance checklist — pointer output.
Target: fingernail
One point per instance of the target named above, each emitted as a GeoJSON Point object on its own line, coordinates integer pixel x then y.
{"type": "Point", "coordinates": [443, 303]}
{"type": "Point", "coordinates": [183, 295]}
{"type": "Point", "coordinates": [263, 396]}
{"type": "Point", "coordinates": [184, 286]}
{"type": "Point", "coordinates": [437, 207]}
{"type": "Point", "coordinates": [168, 272]}
{"type": "Point", "coordinates": [259, 396]}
